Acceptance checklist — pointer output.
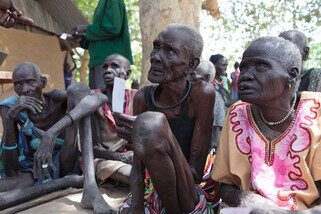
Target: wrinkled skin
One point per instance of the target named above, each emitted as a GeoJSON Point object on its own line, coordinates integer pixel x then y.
{"type": "Point", "coordinates": [158, 151]}
{"type": "Point", "coordinates": [82, 106]}
{"type": "Point", "coordinates": [44, 109]}
{"type": "Point", "coordinates": [258, 70]}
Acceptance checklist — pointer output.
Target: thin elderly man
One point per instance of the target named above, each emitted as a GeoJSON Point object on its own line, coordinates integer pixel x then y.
{"type": "Point", "coordinates": [9, 15]}
{"type": "Point", "coordinates": [269, 155]}
{"type": "Point", "coordinates": [171, 134]}
{"type": "Point", "coordinates": [311, 79]}
{"type": "Point", "coordinates": [25, 119]}
{"type": "Point", "coordinates": [92, 110]}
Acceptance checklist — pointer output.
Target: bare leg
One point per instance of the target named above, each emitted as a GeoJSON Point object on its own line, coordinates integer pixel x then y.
{"type": "Point", "coordinates": [22, 180]}
{"type": "Point", "coordinates": [164, 160]}
{"type": "Point", "coordinates": [17, 196]}
{"type": "Point", "coordinates": [91, 198]}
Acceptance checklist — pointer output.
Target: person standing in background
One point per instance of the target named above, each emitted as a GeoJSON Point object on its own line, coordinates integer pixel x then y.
{"type": "Point", "coordinates": [234, 77]}
{"type": "Point", "coordinates": [108, 34]}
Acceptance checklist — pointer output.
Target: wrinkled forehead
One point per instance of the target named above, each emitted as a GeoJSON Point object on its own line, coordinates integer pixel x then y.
{"type": "Point", "coordinates": [174, 37]}
{"type": "Point", "coordinates": [263, 50]}
{"type": "Point", "coordinates": [117, 59]}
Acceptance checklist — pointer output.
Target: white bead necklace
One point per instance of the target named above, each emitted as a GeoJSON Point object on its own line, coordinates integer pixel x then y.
{"type": "Point", "coordinates": [284, 118]}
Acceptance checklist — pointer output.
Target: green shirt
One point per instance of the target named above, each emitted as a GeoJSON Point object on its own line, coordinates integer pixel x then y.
{"type": "Point", "coordinates": [108, 34]}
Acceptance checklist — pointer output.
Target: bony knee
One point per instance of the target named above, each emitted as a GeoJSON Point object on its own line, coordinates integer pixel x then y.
{"type": "Point", "coordinates": [149, 129]}
{"type": "Point", "coordinates": [76, 88]}
{"type": "Point", "coordinates": [148, 125]}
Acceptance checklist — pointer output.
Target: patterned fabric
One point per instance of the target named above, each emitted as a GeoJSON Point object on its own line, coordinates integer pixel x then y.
{"type": "Point", "coordinates": [27, 128]}
{"type": "Point", "coordinates": [219, 110]}
{"type": "Point", "coordinates": [129, 95]}
{"type": "Point", "coordinates": [234, 89]}
{"type": "Point", "coordinates": [208, 199]}
{"type": "Point", "coordinates": [283, 170]}
{"type": "Point", "coordinates": [315, 79]}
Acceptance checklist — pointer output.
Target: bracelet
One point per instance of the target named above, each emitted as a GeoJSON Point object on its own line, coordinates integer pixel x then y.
{"type": "Point", "coordinates": [9, 147]}
{"type": "Point", "coordinates": [72, 120]}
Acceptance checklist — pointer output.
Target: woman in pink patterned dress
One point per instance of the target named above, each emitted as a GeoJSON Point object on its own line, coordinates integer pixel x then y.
{"type": "Point", "coordinates": [269, 158]}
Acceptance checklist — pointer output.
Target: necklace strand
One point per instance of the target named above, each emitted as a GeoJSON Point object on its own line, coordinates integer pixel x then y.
{"type": "Point", "coordinates": [187, 89]}
{"type": "Point", "coordinates": [283, 119]}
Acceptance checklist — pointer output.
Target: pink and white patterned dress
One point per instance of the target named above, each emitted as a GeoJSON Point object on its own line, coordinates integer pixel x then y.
{"type": "Point", "coordinates": [283, 170]}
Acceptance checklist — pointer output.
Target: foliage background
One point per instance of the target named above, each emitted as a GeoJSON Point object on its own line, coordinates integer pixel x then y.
{"type": "Point", "coordinates": [88, 8]}
{"type": "Point", "coordinates": [241, 21]}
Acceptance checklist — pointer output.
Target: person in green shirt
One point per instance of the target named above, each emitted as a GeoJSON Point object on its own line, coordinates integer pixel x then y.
{"type": "Point", "coordinates": [108, 34]}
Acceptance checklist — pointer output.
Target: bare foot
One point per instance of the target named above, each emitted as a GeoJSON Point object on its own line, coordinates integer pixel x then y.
{"type": "Point", "coordinates": [92, 199]}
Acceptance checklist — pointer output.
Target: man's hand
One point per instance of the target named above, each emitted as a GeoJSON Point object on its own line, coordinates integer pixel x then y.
{"type": "Point", "coordinates": [43, 157]}
{"type": "Point", "coordinates": [9, 15]}
{"type": "Point", "coordinates": [30, 104]}
{"type": "Point", "coordinates": [79, 30]}
{"type": "Point", "coordinates": [124, 125]}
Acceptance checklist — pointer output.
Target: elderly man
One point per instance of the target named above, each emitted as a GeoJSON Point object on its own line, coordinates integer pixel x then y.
{"type": "Point", "coordinates": [25, 119]}
{"type": "Point", "coordinates": [9, 15]}
{"type": "Point", "coordinates": [171, 135]}
{"type": "Point", "coordinates": [92, 110]}
{"type": "Point", "coordinates": [269, 155]}
{"type": "Point", "coordinates": [311, 79]}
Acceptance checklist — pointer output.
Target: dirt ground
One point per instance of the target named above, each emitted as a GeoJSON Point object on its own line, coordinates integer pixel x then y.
{"type": "Point", "coordinates": [114, 196]}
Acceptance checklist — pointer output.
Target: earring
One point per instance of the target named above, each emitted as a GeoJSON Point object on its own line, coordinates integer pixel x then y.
{"type": "Point", "coordinates": [290, 86]}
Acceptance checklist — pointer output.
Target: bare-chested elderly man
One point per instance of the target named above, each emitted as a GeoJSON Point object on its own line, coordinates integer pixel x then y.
{"type": "Point", "coordinates": [91, 110]}
{"type": "Point", "coordinates": [25, 118]}
{"type": "Point", "coordinates": [171, 135]}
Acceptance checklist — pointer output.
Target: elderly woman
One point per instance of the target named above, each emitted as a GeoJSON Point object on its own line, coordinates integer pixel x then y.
{"type": "Point", "coordinates": [270, 154]}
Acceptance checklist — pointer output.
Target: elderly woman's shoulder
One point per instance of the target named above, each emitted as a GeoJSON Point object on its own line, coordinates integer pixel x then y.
{"type": "Point", "coordinates": [310, 95]}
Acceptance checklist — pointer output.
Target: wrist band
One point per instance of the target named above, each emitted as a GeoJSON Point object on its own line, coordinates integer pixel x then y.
{"type": "Point", "coordinates": [9, 147]}
{"type": "Point", "coordinates": [72, 120]}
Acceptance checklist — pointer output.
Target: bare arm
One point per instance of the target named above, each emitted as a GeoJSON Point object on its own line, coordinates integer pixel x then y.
{"type": "Point", "coordinates": [9, 139]}
{"type": "Point", "coordinates": [234, 197]}
{"type": "Point", "coordinates": [202, 130]}
{"type": "Point", "coordinates": [124, 129]}
{"type": "Point", "coordinates": [43, 154]}
{"type": "Point", "coordinates": [10, 132]}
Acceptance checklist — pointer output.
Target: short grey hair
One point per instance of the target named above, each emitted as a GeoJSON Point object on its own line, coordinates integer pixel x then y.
{"type": "Point", "coordinates": [283, 50]}
{"type": "Point", "coordinates": [195, 44]}
{"type": "Point", "coordinates": [34, 67]}
{"type": "Point", "coordinates": [206, 68]}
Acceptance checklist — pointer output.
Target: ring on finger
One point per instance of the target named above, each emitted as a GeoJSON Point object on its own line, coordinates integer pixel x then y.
{"type": "Point", "coordinates": [44, 165]}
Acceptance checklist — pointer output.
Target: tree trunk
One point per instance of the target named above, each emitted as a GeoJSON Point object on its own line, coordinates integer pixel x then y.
{"type": "Point", "coordinates": [84, 67]}
{"type": "Point", "coordinates": [156, 15]}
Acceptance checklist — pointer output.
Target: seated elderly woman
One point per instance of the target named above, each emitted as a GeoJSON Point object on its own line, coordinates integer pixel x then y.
{"type": "Point", "coordinates": [270, 154]}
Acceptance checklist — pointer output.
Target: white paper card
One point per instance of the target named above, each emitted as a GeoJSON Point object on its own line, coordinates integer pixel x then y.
{"type": "Point", "coordinates": [119, 95]}
{"type": "Point", "coordinates": [64, 36]}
